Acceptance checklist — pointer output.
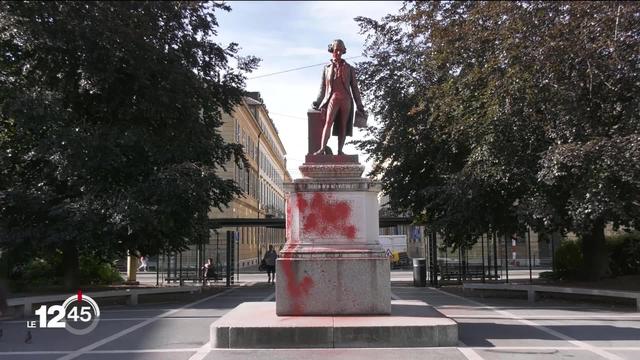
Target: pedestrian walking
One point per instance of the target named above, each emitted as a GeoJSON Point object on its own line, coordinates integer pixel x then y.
{"type": "Point", "coordinates": [143, 264]}
{"type": "Point", "coordinates": [269, 260]}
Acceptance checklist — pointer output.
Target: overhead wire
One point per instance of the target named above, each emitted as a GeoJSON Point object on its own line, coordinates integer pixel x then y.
{"type": "Point", "coordinates": [295, 69]}
{"type": "Point", "coordinates": [298, 68]}
{"type": "Point", "coordinates": [289, 116]}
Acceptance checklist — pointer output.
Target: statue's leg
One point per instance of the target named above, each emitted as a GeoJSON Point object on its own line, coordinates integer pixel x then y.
{"type": "Point", "coordinates": [328, 122]}
{"type": "Point", "coordinates": [343, 119]}
{"type": "Point", "coordinates": [326, 132]}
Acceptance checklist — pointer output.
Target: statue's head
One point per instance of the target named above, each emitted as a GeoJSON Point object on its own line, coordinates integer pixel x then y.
{"type": "Point", "coordinates": [337, 48]}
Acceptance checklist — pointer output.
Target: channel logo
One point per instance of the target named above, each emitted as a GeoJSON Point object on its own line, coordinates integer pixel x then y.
{"type": "Point", "coordinates": [79, 314]}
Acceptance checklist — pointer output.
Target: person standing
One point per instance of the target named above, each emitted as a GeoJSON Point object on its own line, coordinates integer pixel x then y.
{"type": "Point", "coordinates": [270, 262]}
{"type": "Point", "coordinates": [208, 271]}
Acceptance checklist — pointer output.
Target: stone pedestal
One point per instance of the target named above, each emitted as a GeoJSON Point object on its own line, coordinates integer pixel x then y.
{"type": "Point", "coordinates": [333, 285]}
{"type": "Point", "coordinates": [315, 123]}
{"type": "Point", "coordinates": [332, 262]}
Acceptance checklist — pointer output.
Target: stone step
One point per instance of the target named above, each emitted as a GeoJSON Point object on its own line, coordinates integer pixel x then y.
{"type": "Point", "coordinates": [255, 325]}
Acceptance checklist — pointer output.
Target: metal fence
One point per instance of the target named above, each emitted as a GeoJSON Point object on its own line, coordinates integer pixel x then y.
{"type": "Point", "coordinates": [490, 259]}
{"type": "Point", "coordinates": [186, 266]}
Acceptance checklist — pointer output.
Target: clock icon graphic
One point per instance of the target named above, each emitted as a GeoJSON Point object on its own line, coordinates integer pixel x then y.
{"type": "Point", "coordinates": [82, 314]}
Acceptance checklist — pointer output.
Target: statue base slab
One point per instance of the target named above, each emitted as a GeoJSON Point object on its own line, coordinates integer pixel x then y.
{"type": "Point", "coordinates": [331, 159]}
{"type": "Point", "coordinates": [254, 325]}
{"type": "Point", "coordinates": [331, 167]}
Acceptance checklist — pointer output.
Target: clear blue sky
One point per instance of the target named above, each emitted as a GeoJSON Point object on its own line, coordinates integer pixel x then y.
{"type": "Point", "coordinates": [292, 34]}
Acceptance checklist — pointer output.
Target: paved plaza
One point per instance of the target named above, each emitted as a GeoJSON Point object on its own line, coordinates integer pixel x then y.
{"type": "Point", "coordinates": [490, 328]}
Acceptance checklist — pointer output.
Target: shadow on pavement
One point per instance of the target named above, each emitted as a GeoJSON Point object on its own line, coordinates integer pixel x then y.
{"type": "Point", "coordinates": [481, 334]}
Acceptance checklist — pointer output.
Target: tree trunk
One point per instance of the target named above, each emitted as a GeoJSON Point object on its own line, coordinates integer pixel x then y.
{"type": "Point", "coordinates": [71, 265]}
{"type": "Point", "coordinates": [594, 251]}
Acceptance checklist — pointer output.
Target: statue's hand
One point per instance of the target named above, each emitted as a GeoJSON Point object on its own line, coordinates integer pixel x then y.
{"type": "Point", "coordinates": [314, 105]}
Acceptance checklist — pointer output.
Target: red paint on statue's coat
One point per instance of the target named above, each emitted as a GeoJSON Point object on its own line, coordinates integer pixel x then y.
{"type": "Point", "coordinates": [326, 218]}
{"type": "Point", "coordinates": [296, 290]}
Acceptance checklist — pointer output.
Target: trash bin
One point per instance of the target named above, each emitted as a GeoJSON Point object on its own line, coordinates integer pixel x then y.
{"type": "Point", "coordinates": [419, 272]}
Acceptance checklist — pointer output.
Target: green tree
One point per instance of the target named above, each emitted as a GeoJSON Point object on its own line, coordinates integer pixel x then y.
{"type": "Point", "coordinates": [108, 125]}
{"type": "Point", "coordinates": [499, 114]}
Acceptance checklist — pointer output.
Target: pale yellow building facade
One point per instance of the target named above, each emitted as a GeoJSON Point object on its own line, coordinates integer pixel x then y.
{"type": "Point", "coordinates": [261, 181]}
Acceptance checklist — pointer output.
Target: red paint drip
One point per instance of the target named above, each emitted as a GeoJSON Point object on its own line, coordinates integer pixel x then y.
{"type": "Point", "coordinates": [326, 218]}
{"type": "Point", "coordinates": [301, 202]}
{"type": "Point", "coordinates": [79, 295]}
{"type": "Point", "coordinates": [306, 284]}
{"type": "Point", "coordinates": [350, 232]}
{"type": "Point", "coordinates": [296, 290]}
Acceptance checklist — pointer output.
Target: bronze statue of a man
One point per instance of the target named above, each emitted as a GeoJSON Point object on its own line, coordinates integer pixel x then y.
{"type": "Point", "coordinates": [338, 91]}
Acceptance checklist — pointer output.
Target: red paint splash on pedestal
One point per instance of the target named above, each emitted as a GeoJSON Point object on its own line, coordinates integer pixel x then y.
{"type": "Point", "coordinates": [301, 203]}
{"type": "Point", "coordinates": [296, 290]}
{"type": "Point", "coordinates": [289, 219]}
{"type": "Point", "coordinates": [326, 218]}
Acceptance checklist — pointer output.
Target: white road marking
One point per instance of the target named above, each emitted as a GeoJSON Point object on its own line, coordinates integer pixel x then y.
{"type": "Point", "coordinates": [543, 328]}
{"type": "Point", "coordinates": [270, 297]}
{"type": "Point", "coordinates": [470, 353]}
{"type": "Point", "coordinates": [108, 311]}
{"type": "Point", "coordinates": [551, 317]}
{"type": "Point", "coordinates": [202, 352]}
{"type": "Point", "coordinates": [2, 353]}
{"type": "Point", "coordinates": [166, 318]}
{"type": "Point", "coordinates": [126, 331]}
{"type": "Point", "coordinates": [570, 348]}
{"type": "Point", "coordinates": [514, 307]}
{"type": "Point", "coordinates": [142, 351]}
{"type": "Point", "coordinates": [531, 348]}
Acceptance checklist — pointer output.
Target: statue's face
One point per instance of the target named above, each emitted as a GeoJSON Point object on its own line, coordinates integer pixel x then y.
{"type": "Point", "coordinates": [337, 51]}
